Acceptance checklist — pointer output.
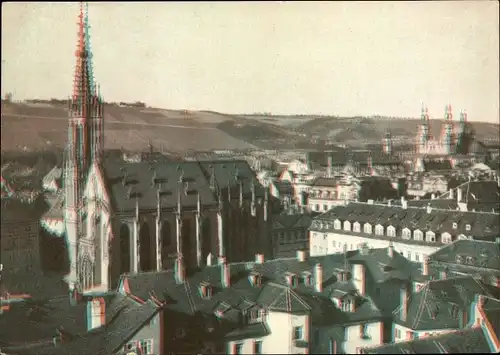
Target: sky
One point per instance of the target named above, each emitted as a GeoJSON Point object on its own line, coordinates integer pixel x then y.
{"type": "Point", "coordinates": [331, 58]}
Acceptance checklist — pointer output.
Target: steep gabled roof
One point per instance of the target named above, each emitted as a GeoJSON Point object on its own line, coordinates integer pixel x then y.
{"type": "Point", "coordinates": [438, 305]}
{"type": "Point", "coordinates": [467, 341]}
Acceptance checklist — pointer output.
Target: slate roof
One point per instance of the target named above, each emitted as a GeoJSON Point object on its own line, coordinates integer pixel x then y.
{"type": "Point", "coordinates": [438, 203]}
{"type": "Point", "coordinates": [439, 303]}
{"type": "Point", "coordinates": [289, 221]}
{"type": "Point", "coordinates": [325, 182]}
{"type": "Point", "coordinates": [141, 180]}
{"type": "Point", "coordinates": [481, 191]}
{"type": "Point", "coordinates": [467, 341]}
{"type": "Point", "coordinates": [484, 257]}
{"type": "Point", "coordinates": [274, 294]}
{"type": "Point", "coordinates": [123, 321]}
{"type": "Point", "coordinates": [491, 308]}
{"type": "Point", "coordinates": [482, 225]}
{"type": "Point", "coordinates": [37, 320]}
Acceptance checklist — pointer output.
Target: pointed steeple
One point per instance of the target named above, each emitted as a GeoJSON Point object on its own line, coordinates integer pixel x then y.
{"type": "Point", "coordinates": [82, 92]}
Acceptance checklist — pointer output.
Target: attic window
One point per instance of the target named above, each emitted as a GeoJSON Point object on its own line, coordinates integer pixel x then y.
{"type": "Point", "coordinates": [455, 225]}
{"type": "Point", "coordinates": [467, 227]}
{"type": "Point", "coordinates": [459, 259]}
{"type": "Point", "coordinates": [292, 279]}
{"type": "Point", "coordinates": [470, 260]}
{"type": "Point", "coordinates": [205, 290]}
{"type": "Point", "coordinates": [307, 279]}
{"type": "Point", "coordinates": [255, 279]}
{"type": "Point", "coordinates": [221, 309]}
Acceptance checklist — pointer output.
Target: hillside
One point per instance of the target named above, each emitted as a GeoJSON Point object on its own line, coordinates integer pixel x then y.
{"type": "Point", "coordinates": [371, 130]}
{"type": "Point", "coordinates": [42, 126]}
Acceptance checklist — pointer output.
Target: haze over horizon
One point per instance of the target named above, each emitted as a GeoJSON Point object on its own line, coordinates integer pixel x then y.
{"type": "Point", "coordinates": [328, 58]}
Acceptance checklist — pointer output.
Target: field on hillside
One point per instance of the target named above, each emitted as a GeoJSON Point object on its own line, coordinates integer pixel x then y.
{"type": "Point", "coordinates": [374, 129]}
{"type": "Point", "coordinates": [43, 126]}
{"type": "Point", "coordinates": [35, 127]}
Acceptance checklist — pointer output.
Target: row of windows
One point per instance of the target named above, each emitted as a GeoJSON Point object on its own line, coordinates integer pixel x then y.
{"type": "Point", "coordinates": [257, 347]}
{"type": "Point", "coordinates": [319, 250]}
{"type": "Point", "coordinates": [143, 346]}
{"type": "Point", "coordinates": [332, 195]}
{"type": "Point", "coordinates": [290, 237]}
{"type": "Point", "coordinates": [390, 231]}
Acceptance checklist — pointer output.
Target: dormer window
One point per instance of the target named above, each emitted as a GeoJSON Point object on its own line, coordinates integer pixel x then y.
{"type": "Point", "coordinates": [470, 260]}
{"type": "Point", "coordinates": [467, 227]}
{"type": "Point", "coordinates": [406, 233]}
{"type": "Point", "coordinates": [347, 226]}
{"type": "Point", "coordinates": [356, 227]}
{"type": "Point", "coordinates": [221, 309]}
{"type": "Point", "coordinates": [430, 237]}
{"type": "Point", "coordinates": [256, 315]}
{"type": "Point", "coordinates": [206, 290]}
{"type": "Point", "coordinates": [391, 231]}
{"type": "Point", "coordinates": [336, 224]}
{"type": "Point", "coordinates": [446, 238]}
{"type": "Point", "coordinates": [455, 225]}
{"type": "Point", "coordinates": [255, 279]}
{"type": "Point", "coordinates": [307, 279]}
{"type": "Point", "coordinates": [292, 279]}
{"type": "Point", "coordinates": [367, 228]}
{"type": "Point", "coordinates": [418, 235]}
{"type": "Point", "coordinates": [379, 230]}
{"type": "Point", "coordinates": [462, 237]}
{"type": "Point", "coordinates": [459, 259]}
{"type": "Point", "coordinates": [347, 304]}
{"type": "Point", "coordinates": [343, 275]}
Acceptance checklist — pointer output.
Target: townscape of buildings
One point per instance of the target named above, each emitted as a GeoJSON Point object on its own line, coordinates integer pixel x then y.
{"type": "Point", "coordinates": [338, 252]}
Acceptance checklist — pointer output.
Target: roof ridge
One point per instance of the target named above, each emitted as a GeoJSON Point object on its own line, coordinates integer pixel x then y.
{"type": "Point", "coordinates": [422, 305]}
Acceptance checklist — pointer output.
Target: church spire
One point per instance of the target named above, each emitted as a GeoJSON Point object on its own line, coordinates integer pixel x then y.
{"type": "Point", "coordinates": [86, 104]}
{"type": "Point", "coordinates": [82, 91]}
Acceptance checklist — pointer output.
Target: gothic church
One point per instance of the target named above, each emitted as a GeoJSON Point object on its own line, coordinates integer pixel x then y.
{"type": "Point", "coordinates": [120, 217]}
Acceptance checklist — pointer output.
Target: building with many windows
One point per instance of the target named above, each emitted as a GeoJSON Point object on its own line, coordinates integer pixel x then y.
{"type": "Point", "coordinates": [414, 232]}
{"type": "Point", "coordinates": [293, 305]}
{"type": "Point", "coordinates": [290, 233]}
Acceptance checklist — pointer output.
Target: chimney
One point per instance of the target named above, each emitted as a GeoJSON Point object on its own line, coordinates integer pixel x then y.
{"type": "Point", "coordinates": [429, 208]}
{"type": "Point", "coordinates": [259, 258]}
{"type": "Point", "coordinates": [389, 203]}
{"type": "Point", "coordinates": [404, 203]}
{"type": "Point", "coordinates": [74, 296]}
{"type": "Point", "coordinates": [433, 196]}
{"type": "Point", "coordinates": [359, 275]}
{"type": "Point", "coordinates": [405, 295]}
{"type": "Point", "coordinates": [318, 278]}
{"type": "Point", "coordinates": [459, 194]}
{"type": "Point", "coordinates": [330, 166]}
{"type": "Point", "coordinates": [211, 259]}
{"type": "Point", "coordinates": [180, 272]}
{"type": "Point", "coordinates": [301, 255]}
{"type": "Point", "coordinates": [390, 250]}
{"type": "Point", "coordinates": [96, 308]}
{"type": "Point", "coordinates": [225, 273]}
{"type": "Point", "coordinates": [451, 194]}
{"type": "Point", "coordinates": [425, 267]}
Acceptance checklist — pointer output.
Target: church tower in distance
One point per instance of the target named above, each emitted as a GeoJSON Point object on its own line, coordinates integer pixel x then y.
{"type": "Point", "coordinates": [85, 144]}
